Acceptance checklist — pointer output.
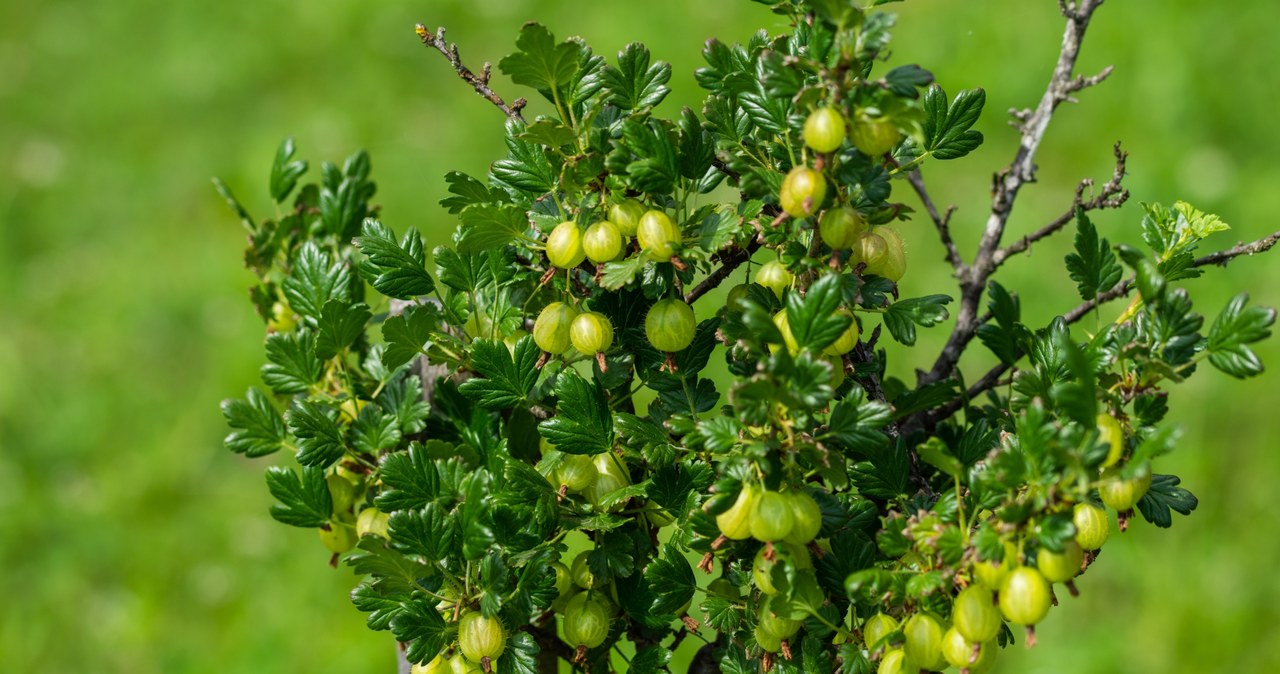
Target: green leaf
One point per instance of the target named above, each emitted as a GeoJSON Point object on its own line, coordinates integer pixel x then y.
{"type": "Point", "coordinates": [813, 319]}
{"type": "Point", "coordinates": [429, 532]}
{"type": "Point", "coordinates": [1232, 331]}
{"type": "Point", "coordinates": [1002, 336]}
{"type": "Point", "coordinates": [260, 429]}
{"type": "Point", "coordinates": [421, 628]}
{"type": "Point", "coordinates": [582, 424]}
{"type": "Point", "coordinates": [1147, 275]}
{"type": "Point", "coordinates": [292, 366]}
{"type": "Point", "coordinates": [314, 280]}
{"type": "Point", "coordinates": [1163, 497]}
{"type": "Point", "coordinates": [936, 453]}
{"type": "Point", "coordinates": [1170, 232]}
{"type": "Point", "coordinates": [540, 62]}
{"type": "Point", "coordinates": [903, 316]}
{"type": "Point", "coordinates": [319, 438]}
{"type": "Point", "coordinates": [305, 501]}
{"type": "Point", "coordinates": [373, 431]}
{"type": "Point", "coordinates": [382, 605]}
{"type": "Point", "coordinates": [285, 173]}
{"type": "Point", "coordinates": [396, 270]}
{"type": "Point", "coordinates": [548, 132]}
{"type": "Point", "coordinates": [486, 226]}
{"type": "Point", "coordinates": [407, 334]}
{"type": "Point", "coordinates": [650, 660]}
{"type": "Point", "coordinates": [948, 128]}
{"type": "Point", "coordinates": [905, 80]}
{"type": "Point", "coordinates": [618, 274]}
{"type": "Point", "coordinates": [464, 272]}
{"type": "Point", "coordinates": [635, 84]}
{"type": "Point", "coordinates": [467, 191]}
{"type": "Point", "coordinates": [507, 379]}
{"type": "Point", "coordinates": [527, 168]}
{"type": "Point", "coordinates": [1093, 266]}
{"type": "Point", "coordinates": [656, 165]}
{"type": "Point", "coordinates": [402, 396]}
{"type": "Point", "coordinates": [672, 582]}
{"type": "Point", "coordinates": [521, 655]}
{"type": "Point", "coordinates": [410, 480]}
{"type": "Point", "coordinates": [340, 324]}
{"type": "Point", "coordinates": [856, 422]}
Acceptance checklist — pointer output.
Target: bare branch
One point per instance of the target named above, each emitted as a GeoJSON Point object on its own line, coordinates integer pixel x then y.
{"type": "Point", "coordinates": [1009, 181]}
{"type": "Point", "coordinates": [940, 221]}
{"type": "Point", "coordinates": [991, 379]}
{"type": "Point", "coordinates": [1112, 195]}
{"type": "Point", "coordinates": [478, 82]}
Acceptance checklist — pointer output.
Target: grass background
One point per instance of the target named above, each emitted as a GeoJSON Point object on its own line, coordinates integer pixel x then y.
{"type": "Point", "coordinates": [132, 542]}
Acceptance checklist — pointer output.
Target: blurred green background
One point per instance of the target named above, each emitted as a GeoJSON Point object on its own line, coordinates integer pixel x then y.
{"type": "Point", "coordinates": [131, 541]}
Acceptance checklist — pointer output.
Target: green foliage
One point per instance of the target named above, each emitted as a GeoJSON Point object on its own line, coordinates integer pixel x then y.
{"type": "Point", "coordinates": [896, 489]}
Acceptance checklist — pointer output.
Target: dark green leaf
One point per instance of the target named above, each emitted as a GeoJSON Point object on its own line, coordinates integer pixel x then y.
{"type": "Point", "coordinates": [285, 173]}
{"type": "Point", "coordinates": [259, 428]}
{"type": "Point", "coordinates": [507, 379]}
{"type": "Point", "coordinates": [314, 280]}
{"type": "Point", "coordinates": [635, 84]}
{"type": "Point", "coordinates": [305, 501]}
{"type": "Point", "coordinates": [421, 628]}
{"type": "Point", "coordinates": [1001, 336]}
{"type": "Point", "coordinates": [903, 316]}
{"type": "Point", "coordinates": [487, 226]}
{"type": "Point", "coordinates": [540, 62]}
{"type": "Point", "coordinates": [1093, 266]}
{"type": "Point", "coordinates": [856, 422]}
{"type": "Point", "coordinates": [410, 480]}
{"type": "Point", "coordinates": [948, 128]}
{"type": "Point", "coordinates": [373, 431]}
{"type": "Point", "coordinates": [319, 438]}
{"type": "Point", "coordinates": [904, 80]}
{"type": "Point", "coordinates": [650, 660]}
{"type": "Point", "coordinates": [467, 191]}
{"type": "Point", "coordinates": [340, 324]}
{"type": "Point", "coordinates": [813, 319]}
{"type": "Point", "coordinates": [527, 169]}
{"type": "Point", "coordinates": [1165, 496]}
{"type": "Point", "coordinates": [1232, 331]}
{"type": "Point", "coordinates": [671, 579]}
{"type": "Point", "coordinates": [429, 532]}
{"type": "Point", "coordinates": [396, 270]}
{"type": "Point", "coordinates": [582, 424]}
{"type": "Point", "coordinates": [521, 655]}
{"type": "Point", "coordinates": [407, 334]}
{"type": "Point", "coordinates": [293, 366]}
{"type": "Point", "coordinates": [548, 132]}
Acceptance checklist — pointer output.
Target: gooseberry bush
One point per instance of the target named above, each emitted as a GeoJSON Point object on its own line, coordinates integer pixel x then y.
{"type": "Point", "coordinates": [521, 452]}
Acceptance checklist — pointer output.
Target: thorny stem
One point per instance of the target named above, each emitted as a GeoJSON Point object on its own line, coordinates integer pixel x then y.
{"type": "Point", "coordinates": [1008, 182]}
{"type": "Point", "coordinates": [478, 82]}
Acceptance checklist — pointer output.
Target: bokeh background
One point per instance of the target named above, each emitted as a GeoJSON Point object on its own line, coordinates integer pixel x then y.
{"type": "Point", "coordinates": [131, 541]}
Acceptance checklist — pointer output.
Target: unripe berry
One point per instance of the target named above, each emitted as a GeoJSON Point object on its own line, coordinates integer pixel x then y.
{"type": "Point", "coordinates": [958, 650]}
{"type": "Point", "coordinates": [846, 341]}
{"type": "Point", "coordinates": [824, 130]}
{"type": "Point", "coordinates": [610, 477]}
{"type": "Point", "coordinates": [975, 615]}
{"type": "Point", "coordinates": [877, 628]}
{"type": "Point", "coordinates": [923, 633]}
{"type": "Point", "coordinates": [875, 136]}
{"type": "Point", "coordinates": [591, 333]}
{"type": "Point", "coordinates": [1059, 567]}
{"type": "Point", "coordinates": [841, 227]}
{"type": "Point", "coordinates": [480, 637]}
{"type": "Point", "coordinates": [806, 517]}
{"type": "Point", "coordinates": [1024, 596]}
{"type": "Point", "coordinates": [551, 330]}
{"type": "Point", "coordinates": [773, 519]}
{"type": "Point", "coordinates": [1120, 494]}
{"type": "Point", "coordinates": [1111, 434]}
{"type": "Point", "coordinates": [602, 242]}
{"type": "Point", "coordinates": [802, 192]}
{"type": "Point", "coordinates": [576, 472]}
{"type": "Point", "coordinates": [626, 216]}
{"type": "Point", "coordinates": [670, 325]}
{"type": "Point", "coordinates": [586, 621]}
{"type": "Point", "coordinates": [1092, 526]}
{"type": "Point", "coordinates": [775, 276]}
{"type": "Point", "coordinates": [893, 264]}
{"type": "Point", "coordinates": [735, 523]}
{"type": "Point", "coordinates": [372, 522]}
{"type": "Point", "coordinates": [658, 235]}
{"type": "Point", "coordinates": [895, 662]}
{"type": "Point", "coordinates": [564, 246]}
{"type": "Point", "coordinates": [788, 339]}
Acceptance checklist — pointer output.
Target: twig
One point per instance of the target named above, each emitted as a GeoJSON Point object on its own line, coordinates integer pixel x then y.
{"type": "Point", "coordinates": [1112, 195]}
{"type": "Point", "coordinates": [1009, 181]}
{"type": "Point", "coordinates": [478, 82]}
{"type": "Point", "coordinates": [729, 261]}
{"type": "Point", "coordinates": [940, 222]}
{"type": "Point", "coordinates": [992, 378]}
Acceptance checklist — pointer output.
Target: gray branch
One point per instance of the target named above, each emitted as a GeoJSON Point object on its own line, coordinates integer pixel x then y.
{"type": "Point", "coordinates": [478, 82]}
{"type": "Point", "coordinates": [1032, 126]}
